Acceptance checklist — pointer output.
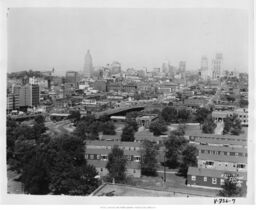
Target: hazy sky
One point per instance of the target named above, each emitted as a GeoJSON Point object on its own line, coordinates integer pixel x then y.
{"type": "Point", "coordinates": [41, 39]}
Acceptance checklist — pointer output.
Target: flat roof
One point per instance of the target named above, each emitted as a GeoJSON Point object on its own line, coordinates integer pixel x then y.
{"type": "Point", "coordinates": [198, 133]}
{"type": "Point", "coordinates": [112, 143]}
{"type": "Point", "coordinates": [223, 158]}
{"type": "Point", "coordinates": [224, 149]}
{"type": "Point", "coordinates": [107, 151]}
{"type": "Point", "coordinates": [214, 173]}
{"type": "Point", "coordinates": [222, 141]}
{"type": "Point", "coordinates": [102, 164]}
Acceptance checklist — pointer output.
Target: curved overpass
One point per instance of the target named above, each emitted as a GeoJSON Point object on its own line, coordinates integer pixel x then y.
{"type": "Point", "coordinates": [120, 111]}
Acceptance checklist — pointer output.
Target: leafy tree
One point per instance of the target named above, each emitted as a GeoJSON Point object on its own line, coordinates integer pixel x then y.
{"type": "Point", "coordinates": [35, 173]}
{"type": "Point", "coordinates": [231, 189]}
{"type": "Point", "coordinates": [11, 126]}
{"type": "Point", "coordinates": [149, 161]}
{"type": "Point", "coordinates": [183, 115]}
{"type": "Point", "coordinates": [108, 128]}
{"type": "Point", "coordinates": [117, 164]}
{"type": "Point", "coordinates": [132, 123]}
{"type": "Point", "coordinates": [39, 129]}
{"type": "Point", "coordinates": [104, 118]}
{"type": "Point", "coordinates": [74, 115]}
{"type": "Point", "coordinates": [201, 114]}
{"type": "Point", "coordinates": [232, 125]}
{"type": "Point", "coordinates": [40, 119]}
{"type": "Point", "coordinates": [132, 115]}
{"type": "Point", "coordinates": [127, 134]}
{"type": "Point", "coordinates": [180, 131]}
{"type": "Point", "coordinates": [158, 127]}
{"type": "Point", "coordinates": [243, 103]}
{"type": "Point", "coordinates": [174, 147]}
{"type": "Point", "coordinates": [209, 125]}
{"type": "Point", "coordinates": [169, 114]}
{"type": "Point", "coordinates": [189, 159]}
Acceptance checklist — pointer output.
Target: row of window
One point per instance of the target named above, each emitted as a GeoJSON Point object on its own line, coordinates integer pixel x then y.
{"type": "Point", "coordinates": [214, 180]}
{"type": "Point", "coordinates": [110, 147]}
{"type": "Point", "coordinates": [216, 138]}
{"type": "Point", "coordinates": [213, 152]}
{"type": "Point", "coordinates": [238, 165]}
{"type": "Point", "coordinates": [105, 157]}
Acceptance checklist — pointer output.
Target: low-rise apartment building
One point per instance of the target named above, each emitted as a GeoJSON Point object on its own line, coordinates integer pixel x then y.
{"type": "Point", "coordinates": [97, 155]}
{"type": "Point", "coordinates": [222, 162]}
{"type": "Point", "coordinates": [209, 178]}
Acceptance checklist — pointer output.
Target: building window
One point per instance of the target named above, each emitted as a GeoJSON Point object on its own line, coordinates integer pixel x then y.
{"type": "Point", "coordinates": [91, 157]}
{"type": "Point", "coordinates": [205, 179]}
{"type": "Point", "coordinates": [98, 157]}
{"type": "Point", "coordinates": [193, 178]}
{"type": "Point", "coordinates": [202, 151]}
{"type": "Point", "coordinates": [104, 157]}
{"type": "Point", "coordinates": [86, 156]}
{"type": "Point", "coordinates": [134, 171]}
{"type": "Point", "coordinates": [214, 181]}
{"type": "Point", "coordinates": [101, 169]}
{"type": "Point", "coordinates": [222, 182]}
{"type": "Point", "coordinates": [240, 165]}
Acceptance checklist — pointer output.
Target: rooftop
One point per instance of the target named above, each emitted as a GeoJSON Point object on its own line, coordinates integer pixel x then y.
{"type": "Point", "coordinates": [225, 149]}
{"type": "Point", "coordinates": [223, 158]}
{"type": "Point", "coordinates": [102, 164]}
{"type": "Point", "coordinates": [214, 173]}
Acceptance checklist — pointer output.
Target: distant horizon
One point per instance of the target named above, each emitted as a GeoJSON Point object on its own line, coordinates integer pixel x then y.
{"type": "Point", "coordinates": [41, 39]}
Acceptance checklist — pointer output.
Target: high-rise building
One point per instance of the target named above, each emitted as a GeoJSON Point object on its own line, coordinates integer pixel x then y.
{"type": "Point", "coordinates": [115, 68]}
{"type": "Point", "coordinates": [182, 69]}
{"type": "Point", "coordinates": [88, 65]}
{"type": "Point", "coordinates": [13, 102]}
{"type": "Point", "coordinates": [204, 70]}
{"type": "Point", "coordinates": [72, 77]}
{"type": "Point", "coordinates": [217, 66]}
{"type": "Point", "coordinates": [29, 95]}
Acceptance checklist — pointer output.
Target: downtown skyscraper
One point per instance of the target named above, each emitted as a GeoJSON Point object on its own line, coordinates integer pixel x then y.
{"type": "Point", "coordinates": [88, 65]}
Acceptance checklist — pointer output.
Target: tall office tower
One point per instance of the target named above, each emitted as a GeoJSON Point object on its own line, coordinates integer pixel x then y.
{"type": "Point", "coordinates": [166, 67]}
{"type": "Point", "coordinates": [72, 77]}
{"type": "Point", "coordinates": [182, 69]}
{"type": "Point", "coordinates": [29, 95]}
{"type": "Point", "coordinates": [115, 67]}
{"type": "Point", "coordinates": [88, 66]}
{"type": "Point", "coordinates": [204, 68]}
{"type": "Point", "coordinates": [217, 65]}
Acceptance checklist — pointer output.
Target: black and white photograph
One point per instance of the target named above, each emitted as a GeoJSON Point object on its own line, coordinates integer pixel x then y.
{"type": "Point", "coordinates": [119, 101]}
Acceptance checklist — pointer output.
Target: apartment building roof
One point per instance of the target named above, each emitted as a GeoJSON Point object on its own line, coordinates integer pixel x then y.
{"type": "Point", "coordinates": [221, 142]}
{"type": "Point", "coordinates": [224, 149]}
{"type": "Point", "coordinates": [214, 173]}
{"type": "Point", "coordinates": [107, 151]}
{"type": "Point", "coordinates": [223, 158]}
{"type": "Point", "coordinates": [112, 143]}
{"type": "Point", "coordinates": [102, 164]}
{"type": "Point", "coordinates": [198, 133]}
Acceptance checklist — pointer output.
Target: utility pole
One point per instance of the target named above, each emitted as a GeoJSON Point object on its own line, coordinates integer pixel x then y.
{"type": "Point", "coordinates": [164, 166]}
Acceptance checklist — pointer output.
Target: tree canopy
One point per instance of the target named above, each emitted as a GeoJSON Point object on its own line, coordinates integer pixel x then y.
{"type": "Point", "coordinates": [174, 147]}
{"type": "Point", "coordinates": [209, 125]}
{"type": "Point", "coordinates": [127, 134]}
{"type": "Point", "coordinates": [189, 159]}
{"type": "Point", "coordinates": [149, 158]}
{"type": "Point", "coordinates": [158, 127]}
{"type": "Point", "coordinates": [232, 125]}
{"type": "Point", "coordinates": [117, 164]}
{"type": "Point", "coordinates": [231, 188]}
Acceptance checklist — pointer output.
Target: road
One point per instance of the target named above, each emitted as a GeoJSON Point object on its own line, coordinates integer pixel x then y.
{"type": "Point", "coordinates": [61, 127]}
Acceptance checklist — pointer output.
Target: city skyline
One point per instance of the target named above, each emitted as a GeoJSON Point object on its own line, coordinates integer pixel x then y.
{"type": "Point", "coordinates": [136, 38]}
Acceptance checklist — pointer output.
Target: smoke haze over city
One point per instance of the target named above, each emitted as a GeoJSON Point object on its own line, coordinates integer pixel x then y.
{"type": "Point", "coordinates": [136, 38]}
